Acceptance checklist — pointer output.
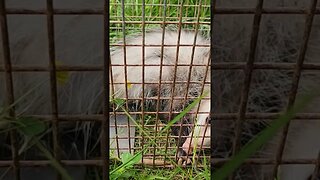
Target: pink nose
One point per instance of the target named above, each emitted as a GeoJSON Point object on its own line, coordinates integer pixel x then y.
{"type": "Point", "coordinates": [187, 147]}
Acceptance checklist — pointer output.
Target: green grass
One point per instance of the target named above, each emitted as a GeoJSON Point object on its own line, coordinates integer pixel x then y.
{"type": "Point", "coordinates": [154, 12]}
{"type": "Point", "coordinates": [263, 137]}
{"type": "Point", "coordinates": [133, 13]}
{"type": "Point", "coordinates": [126, 168]}
{"type": "Point", "coordinates": [32, 129]}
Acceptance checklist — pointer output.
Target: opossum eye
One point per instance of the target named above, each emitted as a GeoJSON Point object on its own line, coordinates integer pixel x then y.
{"type": "Point", "coordinates": [158, 54]}
{"type": "Point", "coordinates": [208, 119]}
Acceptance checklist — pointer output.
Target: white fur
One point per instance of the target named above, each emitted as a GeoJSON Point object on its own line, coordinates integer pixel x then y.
{"type": "Point", "coordinates": [152, 73]}
{"type": "Point", "coordinates": [78, 45]}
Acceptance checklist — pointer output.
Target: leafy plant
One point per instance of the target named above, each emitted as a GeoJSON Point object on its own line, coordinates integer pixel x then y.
{"type": "Point", "coordinates": [32, 129]}
{"type": "Point", "coordinates": [124, 170]}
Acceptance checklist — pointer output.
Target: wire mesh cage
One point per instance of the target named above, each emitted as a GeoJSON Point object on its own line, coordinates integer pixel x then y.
{"type": "Point", "coordinates": [265, 56]}
{"type": "Point", "coordinates": [52, 74]}
{"type": "Point", "coordinates": [159, 67]}
{"type": "Point", "coordinates": [263, 61]}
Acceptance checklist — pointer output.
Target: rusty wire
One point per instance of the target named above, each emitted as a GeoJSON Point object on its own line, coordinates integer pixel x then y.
{"type": "Point", "coordinates": [218, 10]}
{"type": "Point", "coordinates": [53, 84]}
{"type": "Point", "coordinates": [248, 67]}
{"type": "Point", "coordinates": [295, 80]}
{"type": "Point", "coordinates": [104, 141]}
{"type": "Point", "coordinates": [247, 80]}
{"type": "Point", "coordinates": [117, 20]}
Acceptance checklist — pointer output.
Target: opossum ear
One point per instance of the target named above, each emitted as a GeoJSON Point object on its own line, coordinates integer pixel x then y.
{"type": "Point", "coordinates": [158, 54]}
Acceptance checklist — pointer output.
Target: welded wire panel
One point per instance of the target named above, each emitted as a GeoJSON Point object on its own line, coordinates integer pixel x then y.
{"type": "Point", "coordinates": [264, 37]}
{"type": "Point", "coordinates": [296, 79]}
{"type": "Point", "coordinates": [283, 63]}
{"type": "Point", "coordinates": [159, 64]}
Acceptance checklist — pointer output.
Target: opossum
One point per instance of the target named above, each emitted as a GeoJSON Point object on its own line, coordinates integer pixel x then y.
{"type": "Point", "coordinates": [179, 52]}
{"type": "Point", "coordinates": [82, 93]}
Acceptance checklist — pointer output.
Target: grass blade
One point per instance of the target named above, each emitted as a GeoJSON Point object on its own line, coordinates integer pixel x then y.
{"type": "Point", "coordinates": [251, 147]}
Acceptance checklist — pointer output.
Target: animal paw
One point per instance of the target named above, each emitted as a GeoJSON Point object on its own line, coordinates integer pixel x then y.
{"type": "Point", "coordinates": [183, 159]}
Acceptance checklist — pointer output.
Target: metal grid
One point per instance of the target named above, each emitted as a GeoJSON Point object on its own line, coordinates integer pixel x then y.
{"type": "Point", "coordinates": [250, 66]}
{"type": "Point", "coordinates": [247, 67]}
{"type": "Point", "coordinates": [54, 117]}
{"type": "Point", "coordinates": [122, 22]}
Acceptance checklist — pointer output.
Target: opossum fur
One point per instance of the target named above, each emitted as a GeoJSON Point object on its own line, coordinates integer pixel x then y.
{"type": "Point", "coordinates": [153, 55]}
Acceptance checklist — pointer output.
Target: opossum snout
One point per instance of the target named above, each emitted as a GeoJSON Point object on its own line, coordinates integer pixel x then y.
{"type": "Point", "coordinates": [197, 140]}
{"type": "Point", "coordinates": [200, 139]}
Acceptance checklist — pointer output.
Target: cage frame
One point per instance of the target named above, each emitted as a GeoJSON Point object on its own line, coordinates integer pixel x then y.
{"type": "Point", "coordinates": [248, 67]}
